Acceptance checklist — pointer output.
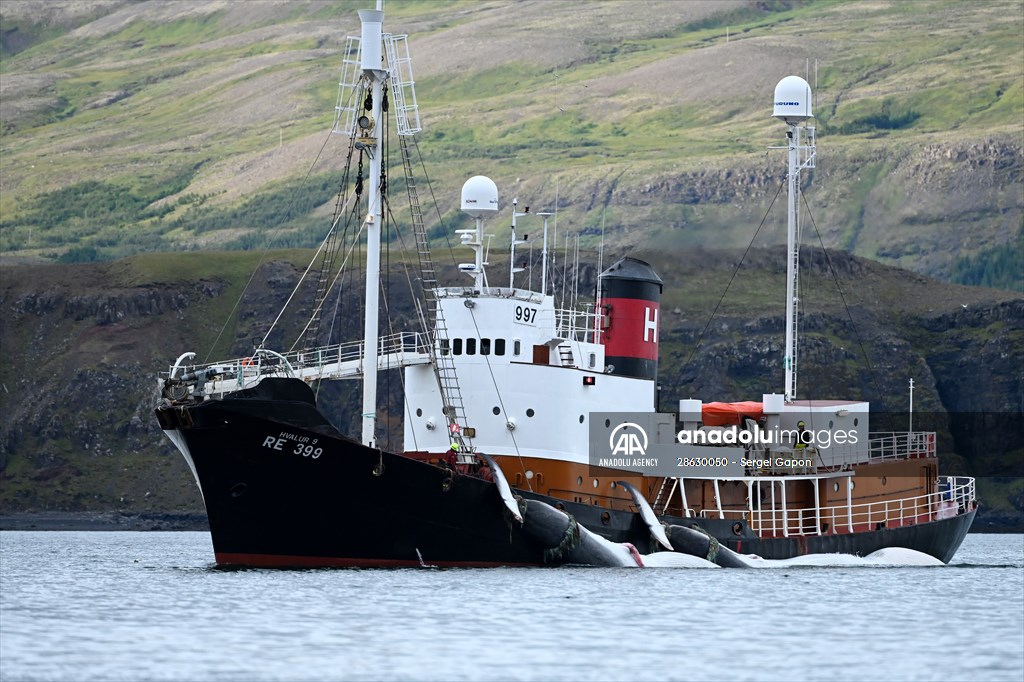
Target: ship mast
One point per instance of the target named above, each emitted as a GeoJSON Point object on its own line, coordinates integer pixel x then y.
{"type": "Point", "coordinates": [793, 107]}
{"type": "Point", "coordinates": [372, 61]}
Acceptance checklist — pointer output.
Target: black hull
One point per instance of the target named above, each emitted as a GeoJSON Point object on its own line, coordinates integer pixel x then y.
{"type": "Point", "coordinates": [273, 500]}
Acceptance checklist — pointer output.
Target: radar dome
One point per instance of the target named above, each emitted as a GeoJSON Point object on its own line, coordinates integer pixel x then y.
{"type": "Point", "coordinates": [479, 196]}
{"type": "Point", "coordinates": [793, 100]}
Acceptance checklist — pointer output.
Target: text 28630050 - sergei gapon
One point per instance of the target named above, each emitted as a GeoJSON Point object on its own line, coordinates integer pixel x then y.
{"type": "Point", "coordinates": [744, 462]}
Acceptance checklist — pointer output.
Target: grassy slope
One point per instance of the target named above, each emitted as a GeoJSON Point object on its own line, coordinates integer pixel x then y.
{"type": "Point", "coordinates": [185, 113]}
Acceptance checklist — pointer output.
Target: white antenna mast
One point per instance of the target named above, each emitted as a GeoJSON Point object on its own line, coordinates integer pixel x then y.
{"type": "Point", "coordinates": [576, 275]}
{"type": "Point", "coordinates": [479, 199]}
{"type": "Point", "coordinates": [512, 269]}
{"type": "Point", "coordinates": [529, 278]}
{"type": "Point", "coordinates": [565, 268]}
{"type": "Point", "coordinates": [554, 245]}
{"type": "Point", "coordinates": [793, 107]}
{"type": "Point", "coordinates": [544, 256]}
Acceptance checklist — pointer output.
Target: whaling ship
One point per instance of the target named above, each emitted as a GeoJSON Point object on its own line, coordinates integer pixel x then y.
{"type": "Point", "coordinates": [508, 389]}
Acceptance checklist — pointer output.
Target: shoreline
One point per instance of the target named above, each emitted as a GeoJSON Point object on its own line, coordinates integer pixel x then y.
{"type": "Point", "coordinates": [197, 521]}
{"type": "Point", "coordinates": [104, 521]}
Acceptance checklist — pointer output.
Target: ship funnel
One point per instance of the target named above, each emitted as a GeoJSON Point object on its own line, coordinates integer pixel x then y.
{"type": "Point", "coordinates": [793, 100]}
{"type": "Point", "coordinates": [630, 303]}
{"type": "Point", "coordinates": [480, 197]}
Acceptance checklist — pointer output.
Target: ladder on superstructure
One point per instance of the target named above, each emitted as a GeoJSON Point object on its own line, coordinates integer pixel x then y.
{"type": "Point", "coordinates": [660, 506]}
{"type": "Point", "coordinates": [407, 117]}
{"type": "Point", "coordinates": [432, 314]}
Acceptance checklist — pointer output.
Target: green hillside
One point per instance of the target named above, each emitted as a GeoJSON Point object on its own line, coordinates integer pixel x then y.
{"type": "Point", "coordinates": [128, 127]}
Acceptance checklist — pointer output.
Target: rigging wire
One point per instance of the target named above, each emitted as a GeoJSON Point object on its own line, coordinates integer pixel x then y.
{"type": "Point", "coordinates": [387, 309]}
{"type": "Point", "coordinates": [732, 278]}
{"type": "Point", "coordinates": [497, 392]}
{"type": "Point", "coordinates": [385, 280]}
{"type": "Point", "coordinates": [346, 281]}
{"type": "Point", "coordinates": [355, 241]}
{"type": "Point", "coordinates": [334, 248]}
{"type": "Point", "coordinates": [259, 263]}
{"type": "Point", "coordinates": [849, 314]}
{"type": "Point", "coordinates": [296, 289]}
{"type": "Point", "coordinates": [437, 209]}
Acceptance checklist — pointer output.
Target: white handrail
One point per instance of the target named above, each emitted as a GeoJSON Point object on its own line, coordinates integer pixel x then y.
{"type": "Point", "coordinates": [338, 361]}
{"type": "Point", "coordinates": [954, 495]}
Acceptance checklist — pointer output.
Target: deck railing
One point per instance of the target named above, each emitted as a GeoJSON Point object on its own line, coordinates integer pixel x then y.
{"type": "Point", "coordinates": [954, 495]}
{"type": "Point", "coordinates": [577, 325]}
{"type": "Point", "coordinates": [902, 445]}
{"type": "Point", "coordinates": [337, 361]}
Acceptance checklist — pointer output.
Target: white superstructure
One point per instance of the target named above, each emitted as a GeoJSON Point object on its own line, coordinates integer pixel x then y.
{"type": "Point", "coordinates": [529, 374]}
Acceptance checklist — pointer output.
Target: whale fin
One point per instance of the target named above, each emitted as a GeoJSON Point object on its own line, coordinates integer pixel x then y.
{"type": "Point", "coordinates": [503, 487]}
{"type": "Point", "coordinates": [648, 515]}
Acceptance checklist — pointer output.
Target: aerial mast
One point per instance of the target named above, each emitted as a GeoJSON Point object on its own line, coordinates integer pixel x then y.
{"type": "Point", "coordinates": [793, 107]}
{"type": "Point", "coordinates": [479, 200]}
{"type": "Point", "coordinates": [512, 269]}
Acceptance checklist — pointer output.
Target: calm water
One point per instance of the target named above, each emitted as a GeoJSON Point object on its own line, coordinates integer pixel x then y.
{"type": "Point", "coordinates": [148, 606]}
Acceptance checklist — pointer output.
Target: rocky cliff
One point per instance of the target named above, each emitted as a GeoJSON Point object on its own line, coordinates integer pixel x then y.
{"type": "Point", "coordinates": [83, 345]}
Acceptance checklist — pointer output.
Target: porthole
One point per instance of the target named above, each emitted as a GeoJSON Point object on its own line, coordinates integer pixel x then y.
{"type": "Point", "coordinates": [595, 482]}
{"type": "Point", "coordinates": [579, 480]}
{"type": "Point", "coordinates": [613, 485]}
{"type": "Point", "coordinates": [606, 518]}
{"type": "Point", "coordinates": [530, 412]}
{"type": "Point", "coordinates": [581, 419]}
{"type": "Point", "coordinates": [419, 412]}
{"type": "Point", "coordinates": [529, 474]}
{"type": "Point", "coordinates": [607, 423]}
{"type": "Point", "coordinates": [496, 410]}
{"type": "Point", "coordinates": [830, 423]}
{"type": "Point", "coordinates": [853, 484]}
{"type": "Point", "coordinates": [884, 480]}
{"type": "Point", "coordinates": [835, 487]}
{"type": "Point", "coordinates": [855, 421]}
